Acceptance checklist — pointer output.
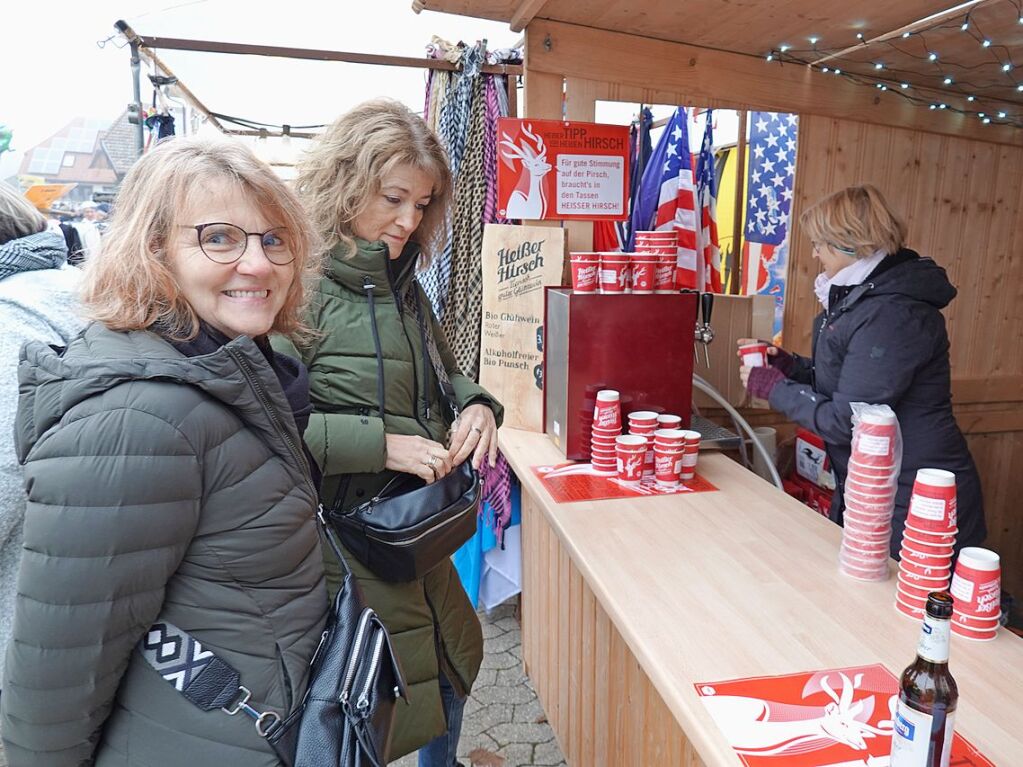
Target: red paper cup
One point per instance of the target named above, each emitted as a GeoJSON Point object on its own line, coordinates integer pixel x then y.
{"type": "Point", "coordinates": [923, 559]}
{"type": "Point", "coordinates": [664, 277]}
{"type": "Point", "coordinates": [932, 547]}
{"type": "Point", "coordinates": [976, 624]}
{"type": "Point", "coordinates": [932, 507]}
{"type": "Point", "coordinates": [879, 503]}
{"type": "Point", "coordinates": [874, 439]}
{"type": "Point", "coordinates": [936, 575]}
{"type": "Point", "coordinates": [909, 612]}
{"type": "Point", "coordinates": [614, 274]}
{"type": "Point", "coordinates": [985, 635]}
{"type": "Point", "coordinates": [631, 453]}
{"type": "Point", "coordinates": [977, 584]}
{"type": "Point", "coordinates": [607, 413]}
{"type": "Point", "coordinates": [642, 419]}
{"type": "Point", "coordinates": [866, 471]}
{"type": "Point", "coordinates": [646, 235]}
{"type": "Point", "coordinates": [924, 536]}
{"type": "Point", "coordinates": [915, 590]}
{"type": "Point", "coordinates": [585, 272]}
{"type": "Point", "coordinates": [669, 421]}
{"type": "Point", "coordinates": [667, 467]}
{"type": "Point", "coordinates": [911, 576]}
{"type": "Point", "coordinates": [754, 355]}
{"type": "Point", "coordinates": [881, 539]}
{"type": "Point", "coordinates": [643, 275]}
{"type": "Point", "coordinates": [670, 438]}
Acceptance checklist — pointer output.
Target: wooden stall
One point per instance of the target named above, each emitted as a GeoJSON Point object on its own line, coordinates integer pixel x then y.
{"type": "Point", "coordinates": [954, 176]}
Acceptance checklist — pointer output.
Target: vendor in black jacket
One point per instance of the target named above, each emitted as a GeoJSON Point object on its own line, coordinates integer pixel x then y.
{"type": "Point", "coordinates": [881, 339]}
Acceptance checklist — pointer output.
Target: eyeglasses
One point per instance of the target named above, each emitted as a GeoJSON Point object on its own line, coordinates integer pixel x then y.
{"type": "Point", "coordinates": [225, 243]}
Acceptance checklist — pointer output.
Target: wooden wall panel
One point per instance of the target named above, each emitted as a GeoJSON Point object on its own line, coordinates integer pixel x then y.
{"type": "Point", "coordinates": [600, 703]}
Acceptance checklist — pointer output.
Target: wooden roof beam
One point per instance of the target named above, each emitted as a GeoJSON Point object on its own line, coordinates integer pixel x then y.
{"type": "Point", "coordinates": [525, 13]}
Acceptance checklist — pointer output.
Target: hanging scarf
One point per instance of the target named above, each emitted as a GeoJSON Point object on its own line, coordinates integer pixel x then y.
{"type": "Point", "coordinates": [43, 250]}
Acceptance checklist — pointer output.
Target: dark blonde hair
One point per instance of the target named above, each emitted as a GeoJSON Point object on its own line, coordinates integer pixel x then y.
{"type": "Point", "coordinates": [339, 175]}
{"type": "Point", "coordinates": [18, 217]}
{"type": "Point", "coordinates": [129, 286]}
{"type": "Point", "coordinates": [858, 220]}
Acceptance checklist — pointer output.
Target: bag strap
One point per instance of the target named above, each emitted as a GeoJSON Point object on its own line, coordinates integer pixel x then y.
{"type": "Point", "coordinates": [414, 303]}
{"type": "Point", "coordinates": [203, 677]}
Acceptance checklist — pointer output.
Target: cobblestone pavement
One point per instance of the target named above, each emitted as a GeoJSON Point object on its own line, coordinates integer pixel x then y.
{"type": "Point", "coordinates": [503, 714]}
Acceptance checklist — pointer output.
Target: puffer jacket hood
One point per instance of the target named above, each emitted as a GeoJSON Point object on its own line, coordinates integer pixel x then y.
{"type": "Point", "coordinates": [161, 489]}
{"type": "Point", "coordinates": [372, 260]}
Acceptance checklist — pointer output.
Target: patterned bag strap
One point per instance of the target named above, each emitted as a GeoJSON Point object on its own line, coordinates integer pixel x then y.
{"type": "Point", "coordinates": [204, 678]}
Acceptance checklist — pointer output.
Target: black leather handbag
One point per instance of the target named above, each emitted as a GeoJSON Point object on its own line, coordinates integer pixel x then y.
{"type": "Point", "coordinates": [410, 527]}
{"type": "Point", "coordinates": [355, 680]}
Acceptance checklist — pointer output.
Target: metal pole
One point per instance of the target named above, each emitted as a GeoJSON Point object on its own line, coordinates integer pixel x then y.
{"type": "Point", "coordinates": [137, 90]}
{"type": "Point", "coordinates": [740, 206]}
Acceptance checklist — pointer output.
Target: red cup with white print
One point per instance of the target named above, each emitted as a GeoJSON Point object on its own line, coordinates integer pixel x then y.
{"type": "Point", "coordinates": [607, 413]}
{"type": "Point", "coordinates": [873, 441]}
{"type": "Point", "coordinates": [932, 506]}
{"type": "Point", "coordinates": [664, 277]}
{"type": "Point", "coordinates": [985, 635]}
{"type": "Point", "coordinates": [631, 453]}
{"type": "Point", "coordinates": [913, 578]}
{"type": "Point", "coordinates": [976, 624]}
{"type": "Point", "coordinates": [670, 438]}
{"type": "Point", "coordinates": [977, 583]}
{"type": "Point", "coordinates": [754, 355]}
{"type": "Point", "coordinates": [937, 539]}
{"type": "Point", "coordinates": [669, 421]}
{"type": "Point", "coordinates": [644, 272]}
{"type": "Point", "coordinates": [657, 236]}
{"type": "Point", "coordinates": [939, 558]}
{"type": "Point", "coordinates": [667, 466]}
{"type": "Point", "coordinates": [909, 612]}
{"type": "Point", "coordinates": [642, 420]}
{"type": "Point", "coordinates": [585, 272]}
{"type": "Point", "coordinates": [614, 273]}
{"type": "Point", "coordinates": [865, 473]}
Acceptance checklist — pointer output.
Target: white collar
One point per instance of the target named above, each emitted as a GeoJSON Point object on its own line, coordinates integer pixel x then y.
{"type": "Point", "coordinates": [853, 274]}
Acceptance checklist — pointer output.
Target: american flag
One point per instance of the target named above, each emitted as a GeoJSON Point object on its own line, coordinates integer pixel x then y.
{"type": "Point", "coordinates": [667, 197]}
{"type": "Point", "coordinates": [709, 265]}
{"type": "Point", "coordinates": [772, 168]}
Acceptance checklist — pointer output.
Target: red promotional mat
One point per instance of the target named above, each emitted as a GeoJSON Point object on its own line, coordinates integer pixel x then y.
{"type": "Point", "coordinates": [574, 481]}
{"type": "Point", "coordinates": [832, 718]}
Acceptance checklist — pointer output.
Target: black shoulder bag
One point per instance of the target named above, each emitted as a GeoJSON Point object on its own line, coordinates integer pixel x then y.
{"type": "Point", "coordinates": [410, 527]}
{"type": "Point", "coordinates": [355, 679]}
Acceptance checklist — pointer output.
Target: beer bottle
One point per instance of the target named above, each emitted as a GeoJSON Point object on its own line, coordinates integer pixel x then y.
{"type": "Point", "coordinates": [924, 720]}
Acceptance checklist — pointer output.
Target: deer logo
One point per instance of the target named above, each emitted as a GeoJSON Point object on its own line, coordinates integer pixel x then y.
{"type": "Point", "coordinates": [766, 728]}
{"type": "Point", "coordinates": [532, 205]}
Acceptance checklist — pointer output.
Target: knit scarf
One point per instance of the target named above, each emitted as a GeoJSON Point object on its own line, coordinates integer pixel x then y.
{"type": "Point", "coordinates": [44, 250]}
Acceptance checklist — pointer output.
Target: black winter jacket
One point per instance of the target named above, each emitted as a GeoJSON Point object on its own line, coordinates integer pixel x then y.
{"type": "Point", "coordinates": [884, 342]}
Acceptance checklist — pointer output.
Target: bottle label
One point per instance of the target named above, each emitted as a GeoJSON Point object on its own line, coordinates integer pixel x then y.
{"type": "Point", "coordinates": [911, 738]}
{"type": "Point", "coordinates": [934, 638]}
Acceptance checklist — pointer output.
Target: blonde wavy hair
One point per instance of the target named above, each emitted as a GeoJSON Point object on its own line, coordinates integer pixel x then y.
{"type": "Point", "coordinates": [856, 220]}
{"type": "Point", "coordinates": [129, 285]}
{"type": "Point", "coordinates": [344, 169]}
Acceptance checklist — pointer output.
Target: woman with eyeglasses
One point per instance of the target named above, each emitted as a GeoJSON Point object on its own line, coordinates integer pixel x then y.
{"type": "Point", "coordinates": [880, 339]}
{"type": "Point", "coordinates": [168, 487]}
{"type": "Point", "coordinates": [378, 187]}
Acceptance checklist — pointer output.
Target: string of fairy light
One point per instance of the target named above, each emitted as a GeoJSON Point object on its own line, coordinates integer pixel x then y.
{"type": "Point", "coordinates": [952, 76]}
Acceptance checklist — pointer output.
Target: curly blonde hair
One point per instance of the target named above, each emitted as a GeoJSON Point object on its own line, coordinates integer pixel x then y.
{"type": "Point", "coordinates": [343, 170]}
{"type": "Point", "coordinates": [129, 285]}
{"type": "Point", "coordinates": [857, 220]}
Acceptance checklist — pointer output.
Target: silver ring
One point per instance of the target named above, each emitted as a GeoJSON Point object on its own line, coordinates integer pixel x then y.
{"type": "Point", "coordinates": [432, 463]}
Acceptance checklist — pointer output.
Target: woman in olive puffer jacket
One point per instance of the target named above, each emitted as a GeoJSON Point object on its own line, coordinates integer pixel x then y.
{"type": "Point", "coordinates": [378, 187]}
{"type": "Point", "coordinates": [166, 479]}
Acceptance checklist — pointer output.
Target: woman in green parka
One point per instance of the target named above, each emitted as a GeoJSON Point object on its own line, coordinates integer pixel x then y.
{"type": "Point", "coordinates": [378, 187]}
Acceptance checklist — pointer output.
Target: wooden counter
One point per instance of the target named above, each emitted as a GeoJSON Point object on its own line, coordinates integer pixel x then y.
{"type": "Point", "coordinates": [627, 603]}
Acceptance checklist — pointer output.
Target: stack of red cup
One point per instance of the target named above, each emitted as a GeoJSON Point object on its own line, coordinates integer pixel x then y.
{"type": "Point", "coordinates": [691, 455]}
{"type": "Point", "coordinates": [977, 592]}
{"type": "Point", "coordinates": [658, 248]}
{"type": "Point", "coordinates": [585, 272]}
{"type": "Point", "coordinates": [669, 447]}
{"type": "Point", "coordinates": [615, 271]}
{"type": "Point", "coordinates": [870, 497]}
{"type": "Point", "coordinates": [926, 556]}
{"type": "Point", "coordinates": [607, 427]}
{"type": "Point", "coordinates": [643, 423]}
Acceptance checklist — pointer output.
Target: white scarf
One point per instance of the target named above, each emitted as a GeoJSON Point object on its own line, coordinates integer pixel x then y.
{"type": "Point", "coordinates": [853, 274]}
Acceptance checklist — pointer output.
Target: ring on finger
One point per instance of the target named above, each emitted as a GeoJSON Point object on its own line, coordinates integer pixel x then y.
{"type": "Point", "coordinates": [478, 430]}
